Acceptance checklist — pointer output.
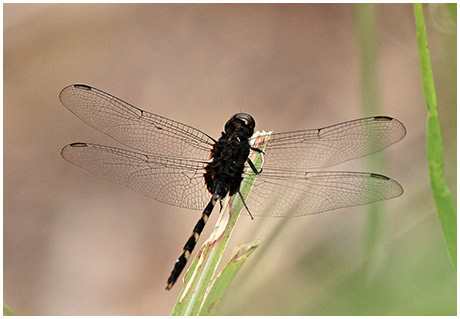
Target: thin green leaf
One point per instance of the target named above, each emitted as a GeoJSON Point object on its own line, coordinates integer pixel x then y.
{"type": "Point", "coordinates": [199, 277]}
{"type": "Point", "coordinates": [441, 193]}
{"type": "Point", "coordinates": [223, 280]}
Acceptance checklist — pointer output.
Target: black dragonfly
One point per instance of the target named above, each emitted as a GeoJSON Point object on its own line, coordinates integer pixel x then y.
{"type": "Point", "coordinates": [177, 164]}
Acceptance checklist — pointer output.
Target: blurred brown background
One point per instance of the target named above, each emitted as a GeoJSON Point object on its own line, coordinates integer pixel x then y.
{"type": "Point", "coordinates": [75, 244]}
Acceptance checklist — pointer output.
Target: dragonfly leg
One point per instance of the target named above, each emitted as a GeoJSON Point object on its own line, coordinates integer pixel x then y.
{"type": "Point", "coordinates": [255, 149]}
{"type": "Point", "coordinates": [245, 206]}
{"type": "Point", "coordinates": [253, 167]}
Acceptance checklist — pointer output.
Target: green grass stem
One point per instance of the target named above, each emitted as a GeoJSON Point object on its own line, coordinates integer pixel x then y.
{"type": "Point", "coordinates": [441, 193]}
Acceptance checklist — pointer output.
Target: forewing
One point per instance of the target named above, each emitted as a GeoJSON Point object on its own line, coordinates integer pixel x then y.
{"type": "Point", "coordinates": [331, 145]}
{"type": "Point", "coordinates": [283, 193]}
{"type": "Point", "coordinates": [176, 182]}
{"type": "Point", "coordinates": [131, 126]}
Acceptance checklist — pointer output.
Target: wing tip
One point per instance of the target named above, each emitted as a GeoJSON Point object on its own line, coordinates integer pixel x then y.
{"type": "Point", "coordinates": [398, 189]}
{"type": "Point", "coordinates": [70, 146]}
{"type": "Point", "coordinates": [382, 118]}
{"type": "Point", "coordinates": [72, 87]}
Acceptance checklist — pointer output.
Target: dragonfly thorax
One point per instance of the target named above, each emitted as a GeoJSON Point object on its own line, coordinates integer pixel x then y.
{"type": "Point", "coordinates": [229, 154]}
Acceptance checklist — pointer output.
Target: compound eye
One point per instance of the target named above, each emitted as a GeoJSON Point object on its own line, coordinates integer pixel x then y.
{"type": "Point", "coordinates": [229, 125]}
{"type": "Point", "coordinates": [246, 118]}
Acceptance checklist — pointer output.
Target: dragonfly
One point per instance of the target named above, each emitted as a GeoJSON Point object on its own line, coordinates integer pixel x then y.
{"type": "Point", "coordinates": [179, 165]}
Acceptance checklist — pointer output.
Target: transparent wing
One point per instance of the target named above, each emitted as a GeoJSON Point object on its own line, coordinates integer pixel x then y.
{"type": "Point", "coordinates": [331, 145]}
{"type": "Point", "coordinates": [283, 193]}
{"type": "Point", "coordinates": [172, 181]}
{"type": "Point", "coordinates": [134, 127]}
{"type": "Point", "coordinates": [275, 193]}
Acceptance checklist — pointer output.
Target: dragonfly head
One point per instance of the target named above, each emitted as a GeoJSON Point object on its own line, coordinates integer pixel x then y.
{"type": "Point", "coordinates": [241, 124]}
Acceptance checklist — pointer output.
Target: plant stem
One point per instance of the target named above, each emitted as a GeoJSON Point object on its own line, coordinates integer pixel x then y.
{"type": "Point", "coordinates": [441, 193]}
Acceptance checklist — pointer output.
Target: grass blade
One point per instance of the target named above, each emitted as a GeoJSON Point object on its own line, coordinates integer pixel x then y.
{"type": "Point", "coordinates": [441, 193]}
{"type": "Point", "coordinates": [223, 280]}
